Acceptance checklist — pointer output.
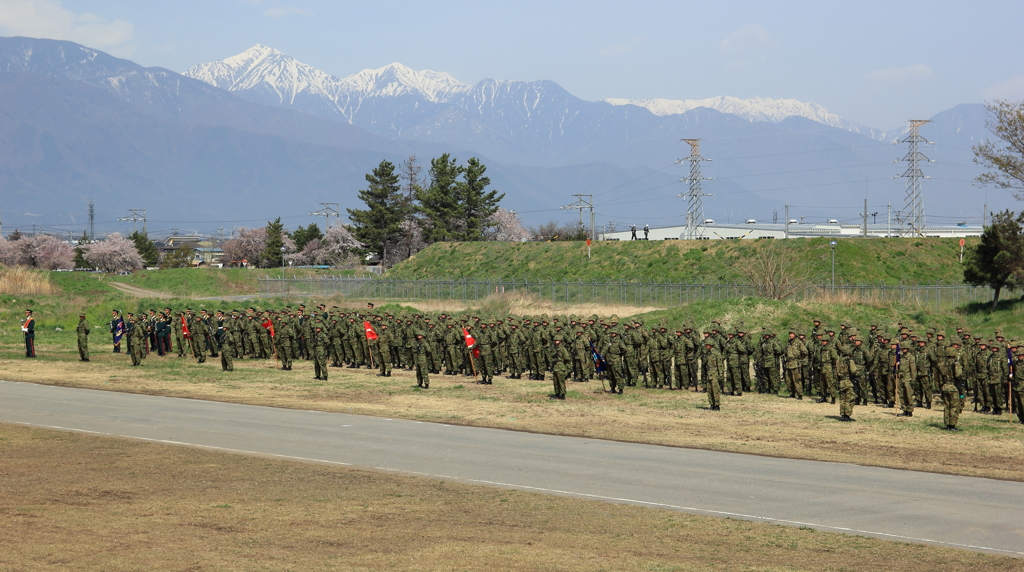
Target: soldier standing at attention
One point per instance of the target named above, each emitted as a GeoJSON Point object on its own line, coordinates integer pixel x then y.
{"type": "Point", "coordinates": [952, 392]}
{"type": "Point", "coordinates": [682, 347]}
{"type": "Point", "coordinates": [714, 375]}
{"type": "Point", "coordinates": [560, 360]}
{"type": "Point", "coordinates": [846, 369]}
{"type": "Point", "coordinates": [137, 341]}
{"type": "Point", "coordinates": [83, 337]}
{"type": "Point", "coordinates": [829, 355]}
{"type": "Point", "coordinates": [384, 345]}
{"type": "Point", "coordinates": [115, 321]}
{"type": "Point", "coordinates": [906, 376]}
{"type": "Point", "coordinates": [795, 353]}
{"type": "Point", "coordinates": [285, 336]}
{"type": "Point", "coordinates": [319, 342]}
{"type": "Point", "coordinates": [227, 342]}
{"type": "Point", "coordinates": [421, 355]}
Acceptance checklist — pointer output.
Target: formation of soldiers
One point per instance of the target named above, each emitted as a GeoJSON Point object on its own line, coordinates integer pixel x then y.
{"type": "Point", "coordinates": [844, 366]}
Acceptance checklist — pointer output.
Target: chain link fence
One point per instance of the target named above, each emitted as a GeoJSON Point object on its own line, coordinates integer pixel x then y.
{"type": "Point", "coordinates": [660, 294]}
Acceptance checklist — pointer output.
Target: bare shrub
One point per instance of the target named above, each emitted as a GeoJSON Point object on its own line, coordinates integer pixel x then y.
{"type": "Point", "coordinates": [774, 275]}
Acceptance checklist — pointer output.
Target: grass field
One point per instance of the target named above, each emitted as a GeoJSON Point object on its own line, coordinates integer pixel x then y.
{"type": "Point", "coordinates": [80, 502]}
{"type": "Point", "coordinates": [858, 261]}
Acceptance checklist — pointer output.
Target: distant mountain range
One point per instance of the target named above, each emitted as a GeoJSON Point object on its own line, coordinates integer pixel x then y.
{"type": "Point", "coordinates": [245, 139]}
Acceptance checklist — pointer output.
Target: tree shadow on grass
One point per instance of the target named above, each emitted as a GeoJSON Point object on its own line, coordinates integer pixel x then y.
{"type": "Point", "coordinates": [1005, 305]}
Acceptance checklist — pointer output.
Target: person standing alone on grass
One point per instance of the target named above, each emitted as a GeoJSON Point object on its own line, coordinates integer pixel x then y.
{"type": "Point", "coordinates": [28, 327]}
{"type": "Point", "coordinates": [83, 337]}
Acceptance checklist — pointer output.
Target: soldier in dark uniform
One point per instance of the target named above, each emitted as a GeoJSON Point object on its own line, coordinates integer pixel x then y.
{"type": "Point", "coordinates": [83, 337]}
{"type": "Point", "coordinates": [115, 320]}
{"type": "Point", "coordinates": [28, 327]}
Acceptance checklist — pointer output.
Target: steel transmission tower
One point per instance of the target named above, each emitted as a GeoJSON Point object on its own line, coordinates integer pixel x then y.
{"type": "Point", "coordinates": [92, 220]}
{"type": "Point", "coordinates": [913, 208]}
{"type": "Point", "coordinates": [695, 196]}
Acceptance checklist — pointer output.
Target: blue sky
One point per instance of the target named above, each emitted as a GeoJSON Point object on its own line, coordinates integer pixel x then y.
{"type": "Point", "coordinates": [877, 63]}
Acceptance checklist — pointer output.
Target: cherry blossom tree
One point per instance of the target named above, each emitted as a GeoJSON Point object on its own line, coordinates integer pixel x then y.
{"type": "Point", "coordinates": [115, 254]}
{"type": "Point", "coordinates": [42, 251]}
{"type": "Point", "coordinates": [504, 225]}
{"type": "Point", "coordinates": [247, 246]}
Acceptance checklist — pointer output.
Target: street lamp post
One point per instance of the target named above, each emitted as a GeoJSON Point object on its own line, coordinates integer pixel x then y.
{"type": "Point", "coordinates": [833, 245]}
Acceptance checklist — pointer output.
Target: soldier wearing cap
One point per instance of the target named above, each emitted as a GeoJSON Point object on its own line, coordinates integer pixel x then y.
{"type": "Point", "coordinates": [319, 344]}
{"type": "Point", "coordinates": [82, 330]}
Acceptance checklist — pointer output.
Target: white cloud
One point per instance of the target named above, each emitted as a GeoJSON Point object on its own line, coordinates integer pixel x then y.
{"type": "Point", "coordinates": [49, 19]}
{"type": "Point", "coordinates": [283, 11]}
{"type": "Point", "coordinates": [748, 39]}
{"type": "Point", "coordinates": [623, 48]}
{"type": "Point", "coordinates": [895, 76]}
{"type": "Point", "coordinates": [1012, 89]}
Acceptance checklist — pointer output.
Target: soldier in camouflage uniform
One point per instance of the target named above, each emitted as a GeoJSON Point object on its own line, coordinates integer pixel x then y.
{"type": "Point", "coordinates": [421, 351]}
{"type": "Point", "coordinates": [320, 346]}
{"type": "Point", "coordinates": [906, 377]}
{"type": "Point", "coordinates": [795, 353]}
{"type": "Point", "coordinates": [714, 374]}
{"type": "Point", "coordinates": [560, 359]}
{"type": "Point", "coordinates": [829, 356]}
{"type": "Point", "coordinates": [82, 330]}
{"type": "Point", "coordinates": [952, 387]}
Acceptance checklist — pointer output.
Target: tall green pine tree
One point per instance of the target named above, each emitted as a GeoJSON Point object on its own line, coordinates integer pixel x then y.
{"type": "Point", "coordinates": [146, 247]}
{"type": "Point", "coordinates": [441, 202]}
{"type": "Point", "coordinates": [477, 202]}
{"type": "Point", "coordinates": [379, 226]}
{"type": "Point", "coordinates": [272, 256]}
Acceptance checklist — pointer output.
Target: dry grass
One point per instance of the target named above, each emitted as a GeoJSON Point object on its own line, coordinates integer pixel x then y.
{"type": "Point", "coordinates": [80, 502]}
{"type": "Point", "coordinates": [19, 281]}
{"type": "Point", "coordinates": [758, 424]}
{"type": "Point", "coordinates": [527, 304]}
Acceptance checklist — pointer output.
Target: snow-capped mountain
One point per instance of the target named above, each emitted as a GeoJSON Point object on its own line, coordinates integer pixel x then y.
{"type": "Point", "coordinates": [754, 109]}
{"type": "Point", "coordinates": [369, 98]}
{"type": "Point", "coordinates": [269, 76]}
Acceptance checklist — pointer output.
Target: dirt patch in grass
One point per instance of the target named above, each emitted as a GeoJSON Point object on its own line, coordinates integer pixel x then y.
{"type": "Point", "coordinates": [73, 501]}
{"type": "Point", "coordinates": [757, 424]}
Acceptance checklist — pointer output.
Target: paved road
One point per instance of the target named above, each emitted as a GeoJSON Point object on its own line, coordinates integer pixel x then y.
{"type": "Point", "coordinates": [978, 514]}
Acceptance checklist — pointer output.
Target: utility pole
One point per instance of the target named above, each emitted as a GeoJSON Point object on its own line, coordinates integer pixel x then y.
{"type": "Point", "coordinates": [695, 196]}
{"type": "Point", "coordinates": [888, 220]}
{"type": "Point", "coordinates": [326, 212]}
{"type": "Point", "coordinates": [787, 220]}
{"type": "Point", "coordinates": [865, 218]}
{"type": "Point", "coordinates": [913, 208]}
{"type": "Point", "coordinates": [580, 205]}
{"type": "Point", "coordinates": [92, 220]}
{"type": "Point", "coordinates": [135, 218]}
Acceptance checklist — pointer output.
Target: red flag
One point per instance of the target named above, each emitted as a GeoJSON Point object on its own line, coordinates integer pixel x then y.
{"type": "Point", "coordinates": [470, 342]}
{"type": "Point", "coordinates": [184, 329]}
{"type": "Point", "coordinates": [270, 326]}
{"type": "Point", "coordinates": [370, 334]}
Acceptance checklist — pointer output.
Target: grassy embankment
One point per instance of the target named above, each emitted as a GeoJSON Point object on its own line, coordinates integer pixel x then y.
{"type": "Point", "coordinates": [887, 261]}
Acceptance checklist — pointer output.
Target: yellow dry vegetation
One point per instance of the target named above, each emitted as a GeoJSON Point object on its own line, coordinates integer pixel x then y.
{"type": "Point", "coordinates": [86, 503]}
{"type": "Point", "coordinates": [19, 281]}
